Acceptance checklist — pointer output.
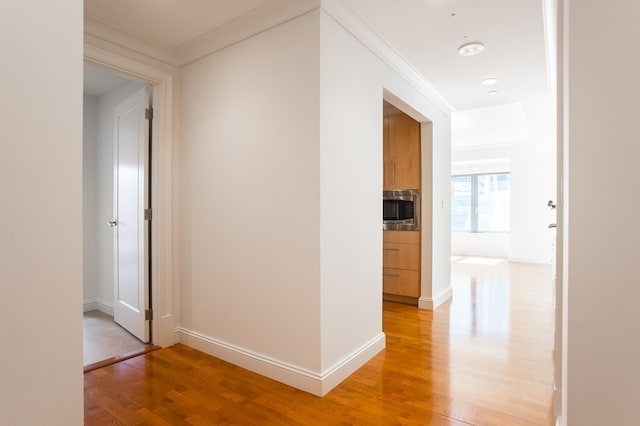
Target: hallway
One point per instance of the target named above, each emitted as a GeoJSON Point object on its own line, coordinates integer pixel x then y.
{"type": "Point", "coordinates": [483, 358]}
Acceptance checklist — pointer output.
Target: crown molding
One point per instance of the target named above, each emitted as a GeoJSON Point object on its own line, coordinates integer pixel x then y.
{"type": "Point", "coordinates": [261, 19]}
{"type": "Point", "coordinates": [268, 16]}
{"type": "Point", "coordinates": [356, 24]}
{"type": "Point", "coordinates": [120, 39]}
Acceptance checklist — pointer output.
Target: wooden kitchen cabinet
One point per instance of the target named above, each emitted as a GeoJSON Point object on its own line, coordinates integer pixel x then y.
{"type": "Point", "coordinates": [401, 152]}
{"type": "Point", "coordinates": [402, 170]}
{"type": "Point", "coordinates": [401, 256]}
{"type": "Point", "coordinates": [401, 266]}
{"type": "Point", "coordinates": [400, 282]}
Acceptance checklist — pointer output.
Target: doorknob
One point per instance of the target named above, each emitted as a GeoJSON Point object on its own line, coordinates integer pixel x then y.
{"type": "Point", "coordinates": [112, 223]}
{"type": "Point", "coordinates": [551, 204]}
{"type": "Point", "coordinates": [552, 225]}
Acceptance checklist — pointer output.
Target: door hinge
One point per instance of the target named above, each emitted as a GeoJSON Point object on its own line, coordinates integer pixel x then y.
{"type": "Point", "coordinates": [148, 315]}
{"type": "Point", "coordinates": [147, 214]}
{"type": "Point", "coordinates": [148, 114]}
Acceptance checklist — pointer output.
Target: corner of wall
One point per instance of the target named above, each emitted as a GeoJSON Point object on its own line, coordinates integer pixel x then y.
{"type": "Point", "coordinates": [299, 378]}
{"type": "Point", "coordinates": [432, 303]}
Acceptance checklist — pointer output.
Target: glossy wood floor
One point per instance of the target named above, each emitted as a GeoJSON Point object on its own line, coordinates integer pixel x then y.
{"type": "Point", "coordinates": [483, 359]}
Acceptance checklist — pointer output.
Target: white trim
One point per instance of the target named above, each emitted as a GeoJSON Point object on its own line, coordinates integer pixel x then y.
{"type": "Point", "coordinates": [359, 27]}
{"type": "Point", "coordinates": [98, 304]}
{"type": "Point", "coordinates": [122, 38]}
{"type": "Point", "coordinates": [161, 183]}
{"type": "Point", "coordinates": [270, 15]}
{"type": "Point", "coordinates": [292, 375]}
{"type": "Point", "coordinates": [349, 365]}
{"type": "Point", "coordinates": [433, 303]}
{"type": "Point", "coordinates": [89, 305]}
{"type": "Point", "coordinates": [550, 42]}
{"type": "Point", "coordinates": [557, 399]}
{"type": "Point", "coordinates": [256, 21]}
{"type": "Point", "coordinates": [266, 17]}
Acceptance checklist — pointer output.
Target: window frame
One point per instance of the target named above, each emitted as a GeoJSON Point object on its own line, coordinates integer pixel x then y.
{"type": "Point", "coordinates": [473, 208]}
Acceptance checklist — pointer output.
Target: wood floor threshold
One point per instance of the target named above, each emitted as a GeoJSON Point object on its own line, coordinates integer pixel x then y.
{"type": "Point", "coordinates": [120, 358]}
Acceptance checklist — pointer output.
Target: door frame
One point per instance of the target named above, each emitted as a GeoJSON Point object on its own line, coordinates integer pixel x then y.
{"type": "Point", "coordinates": [161, 179]}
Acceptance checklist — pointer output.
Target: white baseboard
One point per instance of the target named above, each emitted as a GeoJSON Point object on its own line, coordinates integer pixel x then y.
{"type": "Point", "coordinates": [98, 304]}
{"type": "Point", "coordinates": [339, 372]}
{"type": "Point", "coordinates": [300, 378]}
{"type": "Point", "coordinates": [431, 303]}
{"type": "Point", "coordinates": [165, 332]}
{"type": "Point", "coordinates": [89, 305]}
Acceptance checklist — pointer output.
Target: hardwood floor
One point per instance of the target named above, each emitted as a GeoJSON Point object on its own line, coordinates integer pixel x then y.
{"type": "Point", "coordinates": [483, 359]}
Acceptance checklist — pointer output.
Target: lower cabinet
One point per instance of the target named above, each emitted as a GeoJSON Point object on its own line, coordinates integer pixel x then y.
{"type": "Point", "coordinates": [401, 266]}
{"type": "Point", "coordinates": [401, 282]}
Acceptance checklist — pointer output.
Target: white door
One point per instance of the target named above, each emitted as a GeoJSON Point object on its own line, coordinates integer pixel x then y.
{"type": "Point", "coordinates": [131, 230]}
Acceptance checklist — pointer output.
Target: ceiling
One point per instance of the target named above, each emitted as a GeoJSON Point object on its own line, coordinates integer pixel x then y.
{"type": "Point", "coordinates": [168, 23]}
{"type": "Point", "coordinates": [427, 33]}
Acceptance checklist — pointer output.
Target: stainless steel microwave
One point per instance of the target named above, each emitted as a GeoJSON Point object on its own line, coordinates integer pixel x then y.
{"type": "Point", "coordinates": [401, 210]}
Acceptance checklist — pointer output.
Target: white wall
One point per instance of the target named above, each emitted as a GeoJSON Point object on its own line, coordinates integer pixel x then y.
{"type": "Point", "coordinates": [89, 202]}
{"type": "Point", "coordinates": [279, 139]}
{"type": "Point", "coordinates": [602, 240]}
{"type": "Point", "coordinates": [249, 196]}
{"type": "Point", "coordinates": [41, 193]}
{"type": "Point", "coordinates": [351, 182]}
{"type": "Point", "coordinates": [350, 194]}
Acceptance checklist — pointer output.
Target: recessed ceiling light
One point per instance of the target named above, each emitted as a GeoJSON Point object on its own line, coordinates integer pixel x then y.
{"type": "Point", "coordinates": [471, 49]}
{"type": "Point", "coordinates": [493, 92]}
{"type": "Point", "coordinates": [489, 81]}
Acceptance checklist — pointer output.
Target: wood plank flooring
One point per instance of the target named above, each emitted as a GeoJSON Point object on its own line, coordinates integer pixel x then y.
{"type": "Point", "coordinates": [483, 359]}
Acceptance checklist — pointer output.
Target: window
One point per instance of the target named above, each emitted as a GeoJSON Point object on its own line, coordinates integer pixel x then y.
{"type": "Point", "coordinates": [480, 202]}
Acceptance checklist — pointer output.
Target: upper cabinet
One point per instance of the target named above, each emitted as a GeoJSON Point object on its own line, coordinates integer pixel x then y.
{"type": "Point", "coordinates": [401, 146]}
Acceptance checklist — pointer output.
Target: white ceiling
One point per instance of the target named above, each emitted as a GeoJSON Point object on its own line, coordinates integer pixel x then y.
{"type": "Point", "coordinates": [422, 31]}
{"type": "Point", "coordinates": [428, 37]}
{"type": "Point", "coordinates": [168, 23]}
{"type": "Point", "coordinates": [490, 126]}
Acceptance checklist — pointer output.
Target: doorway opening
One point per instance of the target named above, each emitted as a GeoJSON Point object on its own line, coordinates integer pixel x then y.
{"type": "Point", "coordinates": [402, 182]}
{"type": "Point", "coordinates": [116, 217]}
{"type": "Point", "coordinates": [407, 204]}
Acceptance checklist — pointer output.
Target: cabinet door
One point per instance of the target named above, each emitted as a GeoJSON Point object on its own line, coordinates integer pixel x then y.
{"type": "Point", "coordinates": [404, 152]}
{"type": "Point", "coordinates": [401, 256]}
{"type": "Point", "coordinates": [401, 282]}
{"type": "Point", "coordinates": [401, 237]}
{"type": "Point", "coordinates": [386, 159]}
